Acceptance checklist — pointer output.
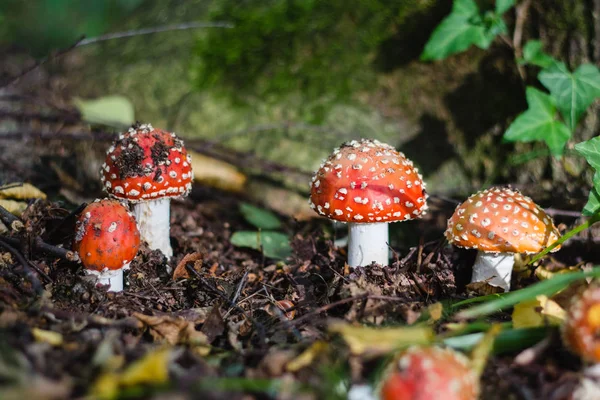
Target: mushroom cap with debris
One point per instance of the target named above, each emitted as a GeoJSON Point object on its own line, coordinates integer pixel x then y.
{"type": "Point", "coordinates": [366, 181]}
{"type": "Point", "coordinates": [145, 164]}
{"type": "Point", "coordinates": [501, 220]}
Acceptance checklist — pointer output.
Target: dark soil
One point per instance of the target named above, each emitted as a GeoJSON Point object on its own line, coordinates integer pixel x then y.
{"type": "Point", "coordinates": [226, 299]}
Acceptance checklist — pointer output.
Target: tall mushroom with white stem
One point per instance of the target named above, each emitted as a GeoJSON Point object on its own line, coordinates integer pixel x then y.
{"type": "Point", "coordinates": [499, 222]}
{"type": "Point", "coordinates": [148, 167]}
{"type": "Point", "coordinates": [107, 240]}
{"type": "Point", "coordinates": [368, 184]}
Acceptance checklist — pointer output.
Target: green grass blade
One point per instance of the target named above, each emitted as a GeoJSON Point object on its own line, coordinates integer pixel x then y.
{"type": "Point", "coordinates": [506, 342]}
{"type": "Point", "coordinates": [547, 287]}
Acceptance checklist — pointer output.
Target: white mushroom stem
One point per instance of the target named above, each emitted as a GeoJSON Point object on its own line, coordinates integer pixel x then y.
{"type": "Point", "coordinates": [112, 278]}
{"type": "Point", "coordinates": [367, 243]}
{"type": "Point", "coordinates": [493, 268]}
{"type": "Point", "coordinates": [153, 220]}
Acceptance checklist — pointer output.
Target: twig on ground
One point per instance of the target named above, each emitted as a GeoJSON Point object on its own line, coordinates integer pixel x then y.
{"type": "Point", "coordinates": [27, 271]}
{"type": "Point", "coordinates": [39, 244]}
{"type": "Point", "coordinates": [12, 222]}
{"type": "Point", "coordinates": [260, 327]}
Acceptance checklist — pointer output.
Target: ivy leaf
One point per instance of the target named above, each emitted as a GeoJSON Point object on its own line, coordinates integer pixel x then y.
{"type": "Point", "coordinates": [502, 6]}
{"type": "Point", "coordinates": [533, 54]}
{"type": "Point", "coordinates": [574, 92]}
{"type": "Point", "coordinates": [273, 244]}
{"type": "Point", "coordinates": [457, 32]}
{"type": "Point", "coordinates": [539, 123]}
{"type": "Point", "coordinates": [593, 204]}
{"type": "Point", "coordinates": [591, 151]}
{"type": "Point", "coordinates": [260, 218]}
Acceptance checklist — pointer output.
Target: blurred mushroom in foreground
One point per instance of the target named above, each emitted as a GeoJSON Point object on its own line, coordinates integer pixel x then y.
{"type": "Point", "coordinates": [431, 373]}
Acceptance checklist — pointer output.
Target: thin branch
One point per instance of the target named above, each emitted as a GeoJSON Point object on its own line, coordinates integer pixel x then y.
{"type": "Point", "coordinates": [10, 220]}
{"type": "Point", "coordinates": [521, 11]}
{"type": "Point", "coordinates": [27, 269]}
{"type": "Point", "coordinates": [117, 35]}
{"type": "Point", "coordinates": [148, 31]}
{"type": "Point", "coordinates": [39, 63]}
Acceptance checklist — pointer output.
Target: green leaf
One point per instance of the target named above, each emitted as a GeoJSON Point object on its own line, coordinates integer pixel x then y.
{"type": "Point", "coordinates": [507, 341]}
{"type": "Point", "coordinates": [457, 32]}
{"type": "Point", "coordinates": [539, 123]}
{"type": "Point", "coordinates": [590, 149]}
{"type": "Point", "coordinates": [574, 92]}
{"type": "Point", "coordinates": [593, 204]}
{"type": "Point", "coordinates": [503, 6]}
{"type": "Point", "coordinates": [547, 287]}
{"type": "Point", "coordinates": [533, 54]}
{"type": "Point", "coordinates": [115, 111]}
{"type": "Point", "coordinates": [260, 218]}
{"type": "Point", "coordinates": [273, 244]}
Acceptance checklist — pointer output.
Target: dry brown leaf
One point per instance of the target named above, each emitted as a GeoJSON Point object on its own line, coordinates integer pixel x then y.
{"type": "Point", "coordinates": [173, 330]}
{"type": "Point", "coordinates": [181, 271]}
{"type": "Point", "coordinates": [21, 192]}
{"type": "Point", "coordinates": [217, 173]}
{"type": "Point", "coordinates": [482, 289]}
{"type": "Point", "coordinates": [307, 357]}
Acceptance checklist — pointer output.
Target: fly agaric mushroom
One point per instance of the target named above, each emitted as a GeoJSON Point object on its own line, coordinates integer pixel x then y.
{"type": "Point", "coordinates": [581, 328]}
{"type": "Point", "coordinates": [431, 373]}
{"type": "Point", "coordinates": [107, 239]}
{"type": "Point", "coordinates": [499, 222]}
{"type": "Point", "coordinates": [148, 167]}
{"type": "Point", "coordinates": [368, 184]}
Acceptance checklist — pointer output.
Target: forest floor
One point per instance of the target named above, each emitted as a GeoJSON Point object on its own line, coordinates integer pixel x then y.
{"type": "Point", "coordinates": [235, 324]}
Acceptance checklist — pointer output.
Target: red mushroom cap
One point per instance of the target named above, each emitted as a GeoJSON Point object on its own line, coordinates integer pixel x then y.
{"type": "Point", "coordinates": [501, 220]}
{"type": "Point", "coordinates": [581, 329]}
{"type": "Point", "coordinates": [107, 236]}
{"type": "Point", "coordinates": [368, 181]}
{"type": "Point", "coordinates": [431, 373]}
{"type": "Point", "coordinates": [147, 164]}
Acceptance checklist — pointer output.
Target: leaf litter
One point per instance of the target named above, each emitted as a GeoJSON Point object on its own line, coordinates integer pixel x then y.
{"type": "Point", "coordinates": [211, 322]}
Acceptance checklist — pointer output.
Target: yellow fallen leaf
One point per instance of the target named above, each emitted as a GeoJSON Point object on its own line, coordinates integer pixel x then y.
{"type": "Point", "coordinates": [217, 173]}
{"type": "Point", "coordinates": [152, 369]}
{"type": "Point", "coordinates": [14, 207]}
{"type": "Point", "coordinates": [374, 341]}
{"type": "Point", "coordinates": [483, 349]}
{"type": "Point", "coordinates": [106, 386]}
{"type": "Point", "coordinates": [50, 337]}
{"type": "Point", "coordinates": [21, 192]}
{"type": "Point", "coordinates": [543, 273]}
{"type": "Point", "coordinates": [538, 312]}
{"type": "Point", "coordinates": [435, 311]}
{"type": "Point", "coordinates": [307, 356]}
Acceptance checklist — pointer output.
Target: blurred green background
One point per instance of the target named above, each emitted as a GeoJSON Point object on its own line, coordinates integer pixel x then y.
{"type": "Point", "coordinates": [291, 79]}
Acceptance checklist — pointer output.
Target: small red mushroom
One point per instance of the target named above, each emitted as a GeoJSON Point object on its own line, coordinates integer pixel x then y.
{"type": "Point", "coordinates": [148, 167]}
{"type": "Point", "coordinates": [500, 222]}
{"type": "Point", "coordinates": [581, 328]}
{"type": "Point", "coordinates": [107, 239]}
{"type": "Point", "coordinates": [368, 184]}
{"type": "Point", "coordinates": [430, 373]}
